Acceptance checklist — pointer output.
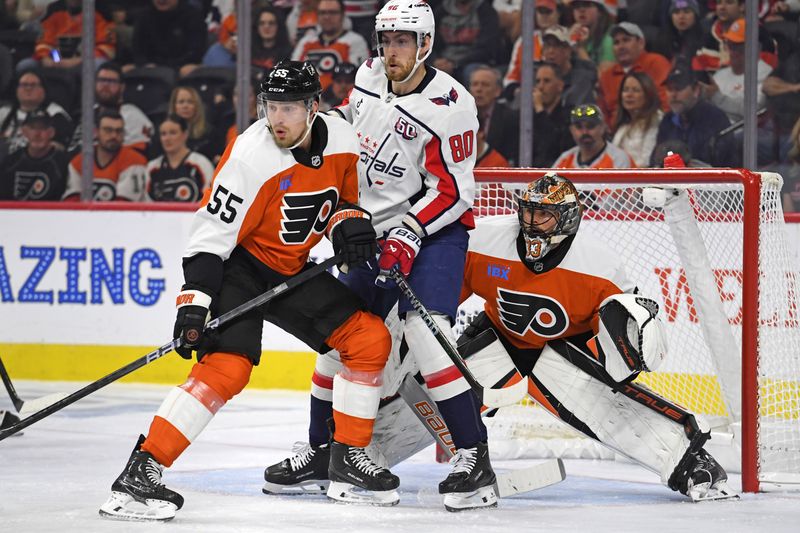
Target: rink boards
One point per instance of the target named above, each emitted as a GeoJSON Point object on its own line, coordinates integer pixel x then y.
{"type": "Point", "coordinates": [83, 292]}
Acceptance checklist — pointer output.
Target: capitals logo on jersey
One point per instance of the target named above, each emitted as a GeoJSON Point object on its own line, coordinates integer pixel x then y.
{"type": "Point", "coordinates": [521, 311]}
{"type": "Point", "coordinates": [452, 96]}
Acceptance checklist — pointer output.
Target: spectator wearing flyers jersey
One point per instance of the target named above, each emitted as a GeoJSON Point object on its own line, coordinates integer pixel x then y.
{"type": "Point", "coordinates": [179, 175]}
{"type": "Point", "coordinates": [485, 155]}
{"type": "Point", "coordinates": [593, 150]}
{"type": "Point", "coordinates": [332, 43]}
{"type": "Point", "coordinates": [37, 172]}
{"type": "Point", "coordinates": [119, 171]}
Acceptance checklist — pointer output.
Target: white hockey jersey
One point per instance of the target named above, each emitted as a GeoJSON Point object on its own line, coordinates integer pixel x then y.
{"type": "Point", "coordinates": [530, 309]}
{"type": "Point", "coordinates": [417, 151]}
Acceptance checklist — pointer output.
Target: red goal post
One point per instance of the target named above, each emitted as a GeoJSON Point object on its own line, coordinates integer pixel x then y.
{"type": "Point", "coordinates": [737, 291]}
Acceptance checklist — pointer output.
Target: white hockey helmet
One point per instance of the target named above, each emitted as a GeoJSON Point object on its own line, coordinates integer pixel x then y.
{"type": "Point", "coordinates": [415, 16]}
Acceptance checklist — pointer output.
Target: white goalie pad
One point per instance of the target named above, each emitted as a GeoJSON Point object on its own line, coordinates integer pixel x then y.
{"type": "Point", "coordinates": [487, 358]}
{"type": "Point", "coordinates": [631, 337]}
{"type": "Point", "coordinates": [620, 423]}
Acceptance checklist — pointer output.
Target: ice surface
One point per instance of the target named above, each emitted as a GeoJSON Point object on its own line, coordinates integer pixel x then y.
{"type": "Point", "coordinates": [55, 476]}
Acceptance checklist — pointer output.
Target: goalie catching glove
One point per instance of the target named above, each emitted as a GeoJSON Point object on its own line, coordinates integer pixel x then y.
{"type": "Point", "coordinates": [351, 232]}
{"type": "Point", "coordinates": [193, 315]}
{"type": "Point", "coordinates": [631, 338]}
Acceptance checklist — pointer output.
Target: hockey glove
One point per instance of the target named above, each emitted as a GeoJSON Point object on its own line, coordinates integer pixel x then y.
{"type": "Point", "coordinates": [399, 250]}
{"type": "Point", "coordinates": [193, 314]}
{"type": "Point", "coordinates": [353, 236]}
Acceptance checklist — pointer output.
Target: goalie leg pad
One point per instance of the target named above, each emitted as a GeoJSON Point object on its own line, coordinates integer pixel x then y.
{"type": "Point", "coordinates": [443, 379]}
{"type": "Point", "coordinates": [617, 421]}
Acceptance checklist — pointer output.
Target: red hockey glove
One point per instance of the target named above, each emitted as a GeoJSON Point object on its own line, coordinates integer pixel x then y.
{"type": "Point", "coordinates": [399, 249]}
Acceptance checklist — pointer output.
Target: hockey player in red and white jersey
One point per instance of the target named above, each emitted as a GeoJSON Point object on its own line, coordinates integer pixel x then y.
{"type": "Point", "coordinates": [283, 183]}
{"type": "Point", "coordinates": [560, 303]}
{"type": "Point", "coordinates": [416, 128]}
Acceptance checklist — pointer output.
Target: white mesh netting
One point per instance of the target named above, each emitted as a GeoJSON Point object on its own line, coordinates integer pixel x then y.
{"type": "Point", "coordinates": [687, 255]}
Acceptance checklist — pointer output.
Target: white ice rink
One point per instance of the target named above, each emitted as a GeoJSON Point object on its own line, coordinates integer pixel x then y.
{"type": "Point", "coordinates": [54, 477]}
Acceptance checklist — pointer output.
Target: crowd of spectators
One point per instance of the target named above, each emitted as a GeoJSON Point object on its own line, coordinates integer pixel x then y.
{"type": "Point", "coordinates": [617, 82]}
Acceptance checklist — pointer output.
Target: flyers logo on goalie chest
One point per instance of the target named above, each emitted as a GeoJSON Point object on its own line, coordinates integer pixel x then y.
{"type": "Point", "coordinates": [306, 213]}
{"type": "Point", "coordinates": [522, 311]}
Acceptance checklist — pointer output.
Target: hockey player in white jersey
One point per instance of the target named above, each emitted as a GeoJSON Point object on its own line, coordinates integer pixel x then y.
{"type": "Point", "coordinates": [563, 308]}
{"type": "Point", "coordinates": [416, 127]}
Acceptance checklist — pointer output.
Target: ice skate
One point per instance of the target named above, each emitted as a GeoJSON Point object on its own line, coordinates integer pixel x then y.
{"type": "Point", "coordinates": [355, 478]}
{"type": "Point", "coordinates": [702, 479]}
{"type": "Point", "coordinates": [306, 472]}
{"type": "Point", "coordinates": [470, 484]}
{"type": "Point", "coordinates": [138, 494]}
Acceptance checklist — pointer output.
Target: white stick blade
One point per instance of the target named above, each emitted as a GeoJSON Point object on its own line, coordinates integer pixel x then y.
{"type": "Point", "coordinates": [37, 404]}
{"type": "Point", "coordinates": [532, 478]}
{"type": "Point", "coordinates": [507, 395]}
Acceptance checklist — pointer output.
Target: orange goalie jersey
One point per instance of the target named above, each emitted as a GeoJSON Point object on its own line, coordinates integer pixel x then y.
{"type": "Point", "coordinates": [530, 308]}
{"type": "Point", "coordinates": [275, 206]}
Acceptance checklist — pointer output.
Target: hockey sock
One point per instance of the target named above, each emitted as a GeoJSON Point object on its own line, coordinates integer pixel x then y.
{"type": "Point", "coordinates": [462, 415]}
{"type": "Point", "coordinates": [321, 411]}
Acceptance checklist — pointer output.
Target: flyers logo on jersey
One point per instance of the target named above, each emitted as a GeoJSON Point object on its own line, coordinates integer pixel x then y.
{"type": "Point", "coordinates": [452, 96]}
{"type": "Point", "coordinates": [406, 129]}
{"type": "Point", "coordinates": [306, 213]}
{"type": "Point", "coordinates": [522, 311]}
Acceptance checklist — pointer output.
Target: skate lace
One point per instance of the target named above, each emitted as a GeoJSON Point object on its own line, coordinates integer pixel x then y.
{"type": "Point", "coordinates": [362, 462]}
{"type": "Point", "coordinates": [303, 454]}
{"type": "Point", "coordinates": [153, 472]}
{"type": "Point", "coordinates": [464, 460]}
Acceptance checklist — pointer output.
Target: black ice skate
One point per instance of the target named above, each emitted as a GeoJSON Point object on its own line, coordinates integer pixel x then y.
{"type": "Point", "coordinates": [470, 484]}
{"type": "Point", "coordinates": [138, 493]}
{"type": "Point", "coordinates": [700, 477]}
{"type": "Point", "coordinates": [306, 472]}
{"type": "Point", "coordinates": [355, 478]}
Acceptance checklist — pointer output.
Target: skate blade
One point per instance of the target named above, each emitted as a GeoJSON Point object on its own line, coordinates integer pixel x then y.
{"type": "Point", "coordinates": [347, 493]}
{"type": "Point", "coordinates": [704, 493]}
{"type": "Point", "coordinates": [121, 506]}
{"type": "Point", "coordinates": [484, 497]}
{"type": "Point", "coordinates": [316, 486]}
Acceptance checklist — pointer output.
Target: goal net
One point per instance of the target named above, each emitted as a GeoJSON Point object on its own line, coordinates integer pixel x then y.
{"type": "Point", "coordinates": [710, 246]}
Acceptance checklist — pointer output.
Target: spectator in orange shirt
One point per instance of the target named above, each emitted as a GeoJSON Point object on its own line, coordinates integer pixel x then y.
{"type": "Point", "coordinates": [332, 43]}
{"type": "Point", "coordinates": [631, 57]}
{"type": "Point", "coordinates": [546, 17]}
{"type": "Point", "coordinates": [119, 171]}
{"type": "Point", "coordinates": [593, 150]}
{"type": "Point", "coordinates": [223, 52]}
{"type": "Point", "coordinates": [60, 43]}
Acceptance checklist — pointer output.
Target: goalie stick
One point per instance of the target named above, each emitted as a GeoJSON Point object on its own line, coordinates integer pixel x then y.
{"type": "Point", "coordinates": [488, 396]}
{"type": "Point", "coordinates": [161, 351]}
{"type": "Point", "coordinates": [534, 477]}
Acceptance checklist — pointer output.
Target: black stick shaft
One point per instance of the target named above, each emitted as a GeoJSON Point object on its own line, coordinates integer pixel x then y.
{"type": "Point", "coordinates": [12, 392]}
{"type": "Point", "coordinates": [290, 283]}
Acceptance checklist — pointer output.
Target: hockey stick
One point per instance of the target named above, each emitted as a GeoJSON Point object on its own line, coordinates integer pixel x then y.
{"type": "Point", "coordinates": [488, 396]}
{"type": "Point", "coordinates": [12, 392]}
{"type": "Point", "coordinates": [534, 477]}
{"type": "Point", "coordinates": [246, 307]}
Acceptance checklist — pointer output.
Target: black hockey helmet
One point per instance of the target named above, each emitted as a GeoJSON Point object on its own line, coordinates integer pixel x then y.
{"type": "Point", "coordinates": [290, 81]}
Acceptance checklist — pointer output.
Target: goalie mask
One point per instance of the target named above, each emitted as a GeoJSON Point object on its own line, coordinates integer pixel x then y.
{"type": "Point", "coordinates": [414, 16]}
{"type": "Point", "coordinates": [549, 211]}
{"type": "Point", "coordinates": [288, 94]}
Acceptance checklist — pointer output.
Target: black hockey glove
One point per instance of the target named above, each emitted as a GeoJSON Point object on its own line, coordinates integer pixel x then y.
{"type": "Point", "coordinates": [353, 236]}
{"type": "Point", "coordinates": [193, 314]}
